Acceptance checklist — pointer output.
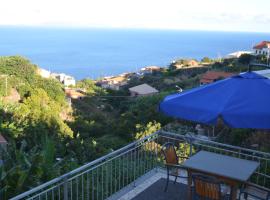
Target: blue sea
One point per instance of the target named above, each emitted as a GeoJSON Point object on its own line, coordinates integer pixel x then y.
{"type": "Point", "coordinates": [95, 53]}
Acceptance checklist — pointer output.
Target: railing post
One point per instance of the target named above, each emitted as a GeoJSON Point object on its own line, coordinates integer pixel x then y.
{"type": "Point", "coordinates": [65, 188]}
{"type": "Point", "coordinates": [190, 141]}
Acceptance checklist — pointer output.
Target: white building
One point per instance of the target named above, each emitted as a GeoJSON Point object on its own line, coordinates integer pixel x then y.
{"type": "Point", "coordinates": [65, 79]}
{"type": "Point", "coordinates": [69, 81]}
{"type": "Point", "coordinates": [262, 48]}
{"type": "Point", "coordinates": [150, 70]}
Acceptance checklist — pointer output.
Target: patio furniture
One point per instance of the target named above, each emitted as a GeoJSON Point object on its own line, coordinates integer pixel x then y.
{"type": "Point", "coordinates": [227, 169]}
{"type": "Point", "coordinates": [174, 168]}
{"type": "Point", "coordinates": [254, 191]}
{"type": "Point", "coordinates": [208, 187]}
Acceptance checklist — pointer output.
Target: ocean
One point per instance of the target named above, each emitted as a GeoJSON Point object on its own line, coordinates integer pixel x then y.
{"type": "Point", "coordinates": [95, 53]}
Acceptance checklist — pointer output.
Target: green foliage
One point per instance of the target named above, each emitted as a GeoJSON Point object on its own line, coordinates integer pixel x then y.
{"type": "Point", "coordinates": [22, 169]}
{"type": "Point", "coordinates": [150, 128]}
{"type": "Point", "coordinates": [245, 59]}
{"type": "Point", "coordinates": [90, 87]}
{"type": "Point", "coordinates": [38, 108]}
{"type": "Point", "coordinates": [206, 60]}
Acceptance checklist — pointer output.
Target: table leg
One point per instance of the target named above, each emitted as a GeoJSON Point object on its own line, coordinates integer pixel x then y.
{"type": "Point", "coordinates": [189, 185]}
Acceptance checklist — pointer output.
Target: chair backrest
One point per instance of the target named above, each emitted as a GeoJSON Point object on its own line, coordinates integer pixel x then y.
{"type": "Point", "coordinates": [206, 187]}
{"type": "Point", "coordinates": [169, 153]}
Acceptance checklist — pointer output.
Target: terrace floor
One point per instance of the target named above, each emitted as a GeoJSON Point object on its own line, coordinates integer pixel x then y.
{"type": "Point", "coordinates": [151, 186]}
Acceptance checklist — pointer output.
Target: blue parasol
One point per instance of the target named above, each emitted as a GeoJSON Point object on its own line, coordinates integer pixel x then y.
{"type": "Point", "coordinates": [242, 101]}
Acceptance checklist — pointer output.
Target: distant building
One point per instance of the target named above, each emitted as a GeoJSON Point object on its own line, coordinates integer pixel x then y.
{"type": "Point", "coordinates": [237, 54]}
{"type": "Point", "coordinates": [65, 79]}
{"type": "Point", "coordinates": [113, 83]}
{"type": "Point", "coordinates": [142, 90]}
{"type": "Point", "coordinates": [150, 69]}
{"type": "Point", "coordinates": [213, 76]}
{"type": "Point", "coordinates": [43, 73]}
{"type": "Point", "coordinates": [74, 94]}
{"type": "Point", "coordinates": [262, 48]}
{"type": "Point", "coordinates": [185, 63]}
{"type": "Point", "coordinates": [69, 81]}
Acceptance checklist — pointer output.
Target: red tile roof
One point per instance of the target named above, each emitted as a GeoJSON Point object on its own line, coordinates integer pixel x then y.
{"type": "Point", "coordinates": [2, 140]}
{"type": "Point", "coordinates": [212, 76]}
{"type": "Point", "coordinates": [261, 45]}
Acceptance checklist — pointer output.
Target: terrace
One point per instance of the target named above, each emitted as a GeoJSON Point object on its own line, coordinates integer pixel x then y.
{"type": "Point", "coordinates": [137, 171]}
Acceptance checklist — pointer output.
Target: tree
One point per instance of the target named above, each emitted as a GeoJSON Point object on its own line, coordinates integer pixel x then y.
{"type": "Point", "coordinates": [245, 59]}
{"type": "Point", "coordinates": [90, 87]}
{"type": "Point", "coordinates": [206, 60]}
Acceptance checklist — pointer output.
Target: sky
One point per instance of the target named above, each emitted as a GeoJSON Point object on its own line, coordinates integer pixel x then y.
{"type": "Point", "coordinates": [223, 15]}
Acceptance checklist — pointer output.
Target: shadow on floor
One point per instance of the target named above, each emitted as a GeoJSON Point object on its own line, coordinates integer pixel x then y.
{"type": "Point", "coordinates": [177, 191]}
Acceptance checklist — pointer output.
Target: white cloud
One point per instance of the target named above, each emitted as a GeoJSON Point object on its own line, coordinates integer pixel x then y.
{"type": "Point", "coordinates": [245, 15]}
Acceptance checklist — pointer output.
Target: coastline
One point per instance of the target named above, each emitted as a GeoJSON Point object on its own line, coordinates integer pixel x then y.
{"type": "Point", "coordinates": [96, 53]}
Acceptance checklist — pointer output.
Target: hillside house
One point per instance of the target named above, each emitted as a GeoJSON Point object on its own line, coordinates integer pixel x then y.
{"type": "Point", "coordinates": [185, 63]}
{"type": "Point", "coordinates": [142, 90]}
{"type": "Point", "coordinates": [262, 48]}
{"type": "Point", "coordinates": [150, 70]}
{"type": "Point", "coordinates": [213, 76]}
{"type": "Point", "coordinates": [65, 79]}
{"type": "Point", "coordinates": [114, 83]}
{"type": "Point", "coordinates": [74, 93]}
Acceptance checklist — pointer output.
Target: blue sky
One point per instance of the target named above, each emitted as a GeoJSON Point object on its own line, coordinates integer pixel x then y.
{"type": "Point", "coordinates": [225, 15]}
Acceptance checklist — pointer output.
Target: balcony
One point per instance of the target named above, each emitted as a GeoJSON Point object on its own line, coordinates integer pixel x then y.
{"type": "Point", "coordinates": [136, 171]}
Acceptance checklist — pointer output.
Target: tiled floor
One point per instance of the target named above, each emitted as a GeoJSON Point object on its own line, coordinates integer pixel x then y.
{"type": "Point", "coordinates": [153, 178]}
{"type": "Point", "coordinates": [142, 184]}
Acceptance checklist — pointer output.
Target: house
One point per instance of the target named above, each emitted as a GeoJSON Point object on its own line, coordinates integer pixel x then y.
{"type": "Point", "coordinates": [184, 63]}
{"type": "Point", "coordinates": [113, 83]}
{"type": "Point", "coordinates": [262, 48]}
{"type": "Point", "coordinates": [142, 90]}
{"type": "Point", "coordinates": [69, 81]}
{"type": "Point", "coordinates": [74, 93]}
{"type": "Point", "coordinates": [65, 79]}
{"type": "Point", "coordinates": [213, 76]}
{"type": "Point", "coordinates": [3, 143]}
{"type": "Point", "coordinates": [150, 69]}
{"type": "Point", "coordinates": [236, 54]}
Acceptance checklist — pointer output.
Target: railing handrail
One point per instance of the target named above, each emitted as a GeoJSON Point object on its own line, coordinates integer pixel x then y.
{"type": "Point", "coordinates": [215, 143]}
{"type": "Point", "coordinates": [79, 169]}
{"type": "Point", "coordinates": [115, 153]}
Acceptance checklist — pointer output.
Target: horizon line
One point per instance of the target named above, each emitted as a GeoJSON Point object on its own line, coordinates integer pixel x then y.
{"type": "Point", "coordinates": [128, 28]}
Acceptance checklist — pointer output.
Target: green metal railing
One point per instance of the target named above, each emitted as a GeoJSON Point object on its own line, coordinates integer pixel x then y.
{"type": "Point", "coordinates": [109, 174]}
